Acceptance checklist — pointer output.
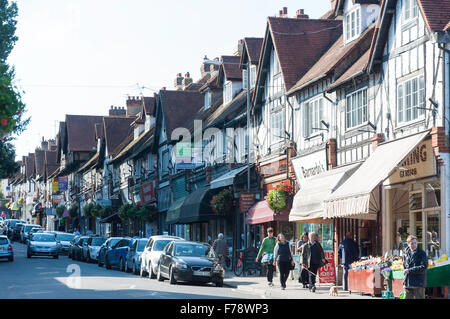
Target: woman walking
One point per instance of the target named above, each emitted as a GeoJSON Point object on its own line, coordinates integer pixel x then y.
{"type": "Point", "coordinates": [266, 251]}
{"type": "Point", "coordinates": [282, 254]}
{"type": "Point", "coordinates": [303, 276]}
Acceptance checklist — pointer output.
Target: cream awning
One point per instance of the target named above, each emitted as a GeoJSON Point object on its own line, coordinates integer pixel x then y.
{"type": "Point", "coordinates": [358, 197]}
{"type": "Point", "coordinates": [308, 202]}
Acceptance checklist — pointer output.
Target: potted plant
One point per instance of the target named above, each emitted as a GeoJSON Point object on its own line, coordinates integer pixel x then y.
{"type": "Point", "coordinates": [279, 197]}
{"type": "Point", "coordinates": [60, 210]}
{"type": "Point", "coordinates": [222, 202]}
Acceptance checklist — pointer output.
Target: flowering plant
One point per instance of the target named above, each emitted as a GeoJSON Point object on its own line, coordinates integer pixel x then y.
{"type": "Point", "coordinates": [277, 198]}
{"type": "Point", "coordinates": [222, 202]}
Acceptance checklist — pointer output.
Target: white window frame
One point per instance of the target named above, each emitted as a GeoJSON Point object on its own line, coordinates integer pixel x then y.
{"type": "Point", "coordinates": [314, 113]}
{"type": "Point", "coordinates": [244, 79]}
{"type": "Point", "coordinates": [277, 126]}
{"type": "Point", "coordinates": [352, 24]}
{"type": "Point", "coordinates": [364, 113]}
{"type": "Point", "coordinates": [410, 10]}
{"type": "Point", "coordinates": [416, 98]}
{"type": "Point", "coordinates": [207, 100]}
{"type": "Point", "coordinates": [227, 92]}
{"type": "Point", "coordinates": [252, 76]}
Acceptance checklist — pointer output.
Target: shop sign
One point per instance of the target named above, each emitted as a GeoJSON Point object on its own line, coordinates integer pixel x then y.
{"type": "Point", "coordinates": [55, 186]}
{"type": "Point", "coordinates": [147, 193]}
{"type": "Point", "coordinates": [310, 165]}
{"type": "Point", "coordinates": [327, 273]}
{"type": "Point", "coordinates": [63, 183]}
{"type": "Point", "coordinates": [246, 201]}
{"type": "Point", "coordinates": [419, 163]}
{"type": "Point", "coordinates": [274, 168]}
{"type": "Point", "coordinates": [57, 199]}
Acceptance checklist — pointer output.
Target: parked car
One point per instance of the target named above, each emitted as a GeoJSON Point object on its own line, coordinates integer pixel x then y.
{"type": "Point", "coordinates": [77, 249]}
{"type": "Point", "coordinates": [107, 245]}
{"type": "Point", "coordinates": [5, 226]}
{"type": "Point", "coordinates": [72, 244]}
{"type": "Point", "coordinates": [133, 262]}
{"type": "Point", "coordinates": [2, 220]}
{"type": "Point", "coordinates": [17, 231]}
{"type": "Point", "coordinates": [152, 252]}
{"type": "Point", "coordinates": [44, 245]}
{"type": "Point", "coordinates": [24, 234]}
{"type": "Point", "coordinates": [190, 261]}
{"type": "Point", "coordinates": [116, 256]}
{"type": "Point", "coordinates": [65, 240]}
{"type": "Point", "coordinates": [6, 249]}
{"type": "Point", "coordinates": [10, 227]}
{"type": "Point", "coordinates": [91, 248]}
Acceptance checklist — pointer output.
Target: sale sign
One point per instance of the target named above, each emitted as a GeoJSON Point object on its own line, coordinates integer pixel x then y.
{"type": "Point", "coordinates": [327, 274]}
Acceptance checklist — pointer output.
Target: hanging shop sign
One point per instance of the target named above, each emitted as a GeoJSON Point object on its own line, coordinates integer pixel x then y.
{"type": "Point", "coordinates": [63, 183]}
{"type": "Point", "coordinates": [147, 193]}
{"type": "Point", "coordinates": [310, 165]}
{"type": "Point", "coordinates": [420, 163]}
{"type": "Point", "coordinates": [246, 201]}
{"type": "Point", "coordinates": [55, 186]}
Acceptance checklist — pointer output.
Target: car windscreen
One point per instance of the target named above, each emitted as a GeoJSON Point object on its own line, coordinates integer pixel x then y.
{"type": "Point", "coordinates": [97, 241]}
{"type": "Point", "coordinates": [192, 250]}
{"type": "Point", "coordinates": [141, 245]}
{"type": "Point", "coordinates": [13, 222]}
{"type": "Point", "coordinates": [3, 241]}
{"type": "Point", "coordinates": [42, 237]}
{"type": "Point", "coordinates": [161, 244]}
{"type": "Point", "coordinates": [18, 226]}
{"type": "Point", "coordinates": [65, 237]}
{"type": "Point", "coordinates": [29, 227]}
{"type": "Point", "coordinates": [114, 241]}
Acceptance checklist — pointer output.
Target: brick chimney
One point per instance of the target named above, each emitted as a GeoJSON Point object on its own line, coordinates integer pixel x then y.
{"type": "Point", "coordinates": [377, 139]}
{"type": "Point", "coordinates": [134, 105]}
{"type": "Point", "coordinates": [117, 111]}
{"type": "Point", "coordinates": [238, 48]}
{"type": "Point", "coordinates": [187, 80]}
{"type": "Point", "coordinates": [178, 82]}
{"type": "Point", "coordinates": [283, 12]}
{"type": "Point", "coordinates": [300, 14]}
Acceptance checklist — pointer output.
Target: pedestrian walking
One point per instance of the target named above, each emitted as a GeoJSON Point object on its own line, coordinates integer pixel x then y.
{"type": "Point", "coordinates": [303, 277]}
{"type": "Point", "coordinates": [348, 252]}
{"type": "Point", "coordinates": [220, 247]}
{"type": "Point", "coordinates": [266, 251]}
{"type": "Point", "coordinates": [415, 266]}
{"type": "Point", "coordinates": [312, 258]}
{"type": "Point", "coordinates": [282, 256]}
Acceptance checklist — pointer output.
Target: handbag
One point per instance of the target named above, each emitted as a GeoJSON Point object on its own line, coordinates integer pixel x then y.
{"type": "Point", "coordinates": [267, 258]}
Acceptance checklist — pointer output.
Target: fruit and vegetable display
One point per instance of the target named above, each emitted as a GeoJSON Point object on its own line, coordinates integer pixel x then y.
{"type": "Point", "coordinates": [443, 260]}
{"type": "Point", "coordinates": [391, 262]}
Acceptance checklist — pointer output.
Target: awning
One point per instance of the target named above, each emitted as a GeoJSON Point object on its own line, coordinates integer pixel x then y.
{"type": "Point", "coordinates": [227, 178]}
{"type": "Point", "coordinates": [173, 214]}
{"type": "Point", "coordinates": [261, 213]}
{"type": "Point", "coordinates": [308, 202]}
{"type": "Point", "coordinates": [110, 219]}
{"type": "Point", "coordinates": [357, 197]}
{"type": "Point", "coordinates": [196, 207]}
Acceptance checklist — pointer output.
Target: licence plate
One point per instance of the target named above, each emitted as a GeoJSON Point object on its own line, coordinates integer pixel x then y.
{"type": "Point", "coordinates": [201, 273]}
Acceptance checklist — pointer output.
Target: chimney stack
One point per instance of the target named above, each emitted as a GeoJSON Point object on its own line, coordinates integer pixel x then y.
{"type": "Point", "coordinates": [238, 48]}
{"type": "Point", "coordinates": [134, 105]}
{"type": "Point", "coordinates": [117, 111]}
{"type": "Point", "coordinates": [187, 80]}
{"type": "Point", "coordinates": [178, 82]}
{"type": "Point", "coordinates": [300, 14]}
{"type": "Point", "coordinates": [283, 12]}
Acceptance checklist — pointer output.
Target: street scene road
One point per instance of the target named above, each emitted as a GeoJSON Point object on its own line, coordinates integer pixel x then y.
{"type": "Point", "coordinates": [62, 278]}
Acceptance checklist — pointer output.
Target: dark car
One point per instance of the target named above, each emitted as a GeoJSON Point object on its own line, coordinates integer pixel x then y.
{"type": "Point", "coordinates": [117, 255]}
{"type": "Point", "coordinates": [72, 245]}
{"type": "Point", "coordinates": [77, 249]}
{"type": "Point", "coordinates": [26, 232]}
{"type": "Point", "coordinates": [66, 240]}
{"type": "Point", "coordinates": [17, 231]}
{"type": "Point", "coordinates": [10, 226]}
{"type": "Point", "coordinates": [107, 245]}
{"type": "Point", "coordinates": [190, 261]}
{"type": "Point", "coordinates": [133, 262]}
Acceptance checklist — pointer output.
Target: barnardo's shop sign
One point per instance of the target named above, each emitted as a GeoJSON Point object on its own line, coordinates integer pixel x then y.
{"type": "Point", "coordinates": [310, 165]}
{"type": "Point", "coordinates": [419, 163]}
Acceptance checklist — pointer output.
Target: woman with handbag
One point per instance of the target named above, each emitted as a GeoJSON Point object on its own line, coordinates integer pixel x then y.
{"type": "Point", "coordinates": [266, 251]}
{"type": "Point", "coordinates": [283, 254]}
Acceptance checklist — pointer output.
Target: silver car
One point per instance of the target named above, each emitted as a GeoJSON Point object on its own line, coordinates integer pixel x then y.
{"type": "Point", "coordinates": [6, 249]}
{"type": "Point", "coordinates": [65, 240]}
{"type": "Point", "coordinates": [152, 252]}
{"type": "Point", "coordinates": [43, 244]}
{"type": "Point", "coordinates": [25, 233]}
{"type": "Point", "coordinates": [91, 248]}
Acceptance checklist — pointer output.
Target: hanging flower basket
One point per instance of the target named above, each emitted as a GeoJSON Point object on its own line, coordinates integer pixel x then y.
{"type": "Point", "coordinates": [280, 197]}
{"type": "Point", "coordinates": [73, 211]}
{"type": "Point", "coordinates": [222, 203]}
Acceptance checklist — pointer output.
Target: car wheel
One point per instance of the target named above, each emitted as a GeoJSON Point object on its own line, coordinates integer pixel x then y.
{"type": "Point", "coordinates": [107, 265]}
{"type": "Point", "coordinates": [172, 281]}
{"type": "Point", "coordinates": [11, 258]}
{"type": "Point", "coordinates": [134, 270]}
{"type": "Point", "coordinates": [142, 272]}
{"type": "Point", "coordinates": [99, 263]}
{"type": "Point", "coordinates": [56, 257]}
{"type": "Point", "coordinates": [121, 265]}
{"type": "Point", "coordinates": [88, 259]}
{"type": "Point", "coordinates": [150, 270]}
{"type": "Point", "coordinates": [159, 275]}
{"type": "Point", "coordinates": [28, 254]}
{"type": "Point", "coordinates": [219, 283]}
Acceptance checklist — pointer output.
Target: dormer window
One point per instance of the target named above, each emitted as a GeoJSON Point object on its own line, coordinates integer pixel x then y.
{"type": "Point", "coordinates": [410, 10]}
{"type": "Point", "coordinates": [252, 77]}
{"type": "Point", "coordinates": [352, 25]}
{"type": "Point", "coordinates": [227, 92]}
{"type": "Point", "coordinates": [207, 99]}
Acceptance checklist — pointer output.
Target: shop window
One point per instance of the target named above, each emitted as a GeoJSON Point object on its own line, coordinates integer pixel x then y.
{"type": "Point", "coordinates": [415, 201]}
{"type": "Point", "coordinates": [433, 234]}
{"type": "Point", "coordinates": [432, 195]}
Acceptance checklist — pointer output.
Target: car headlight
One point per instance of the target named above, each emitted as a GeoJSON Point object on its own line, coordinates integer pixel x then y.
{"type": "Point", "coordinates": [181, 265]}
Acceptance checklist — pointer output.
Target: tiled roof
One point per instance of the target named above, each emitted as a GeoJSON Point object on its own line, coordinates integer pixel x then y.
{"type": "Point", "coordinates": [116, 130]}
{"type": "Point", "coordinates": [197, 86]}
{"type": "Point", "coordinates": [149, 105]}
{"type": "Point", "coordinates": [338, 56]}
{"type": "Point", "coordinates": [436, 14]}
{"type": "Point", "coordinates": [231, 67]}
{"type": "Point", "coordinates": [299, 43]}
{"type": "Point", "coordinates": [50, 162]}
{"type": "Point", "coordinates": [81, 132]}
{"type": "Point", "coordinates": [212, 83]}
{"type": "Point", "coordinates": [29, 165]}
{"type": "Point", "coordinates": [253, 46]}
{"type": "Point", "coordinates": [129, 145]}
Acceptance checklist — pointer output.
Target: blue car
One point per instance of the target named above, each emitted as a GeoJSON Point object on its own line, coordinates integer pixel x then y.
{"type": "Point", "coordinates": [133, 261]}
{"type": "Point", "coordinates": [117, 255]}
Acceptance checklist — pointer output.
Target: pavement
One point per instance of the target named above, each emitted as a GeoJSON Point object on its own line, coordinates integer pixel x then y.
{"type": "Point", "coordinates": [294, 290]}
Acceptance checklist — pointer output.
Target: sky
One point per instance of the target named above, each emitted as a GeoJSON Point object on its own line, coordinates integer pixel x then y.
{"type": "Point", "coordinates": [82, 56]}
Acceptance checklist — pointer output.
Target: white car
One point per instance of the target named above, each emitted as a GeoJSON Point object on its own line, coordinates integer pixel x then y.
{"type": "Point", "coordinates": [152, 252]}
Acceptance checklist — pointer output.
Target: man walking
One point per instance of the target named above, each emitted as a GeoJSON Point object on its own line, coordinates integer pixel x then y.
{"type": "Point", "coordinates": [313, 257]}
{"type": "Point", "coordinates": [348, 253]}
{"type": "Point", "coordinates": [266, 251]}
{"type": "Point", "coordinates": [220, 247]}
{"type": "Point", "coordinates": [415, 267]}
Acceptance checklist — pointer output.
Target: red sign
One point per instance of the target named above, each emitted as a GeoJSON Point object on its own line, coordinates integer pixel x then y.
{"type": "Point", "coordinates": [327, 274]}
{"type": "Point", "coordinates": [147, 193]}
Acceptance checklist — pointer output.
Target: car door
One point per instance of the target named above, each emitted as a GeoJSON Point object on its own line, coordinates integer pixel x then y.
{"type": "Point", "coordinates": [146, 254]}
{"type": "Point", "coordinates": [131, 253]}
{"type": "Point", "coordinates": [166, 259]}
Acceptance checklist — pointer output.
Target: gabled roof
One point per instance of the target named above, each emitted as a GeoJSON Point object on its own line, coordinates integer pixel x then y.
{"type": "Point", "coordinates": [436, 14]}
{"type": "Point", "coordinates": [252, 47]}
{"type": "Point", "coordinates": [197, 86]}
{"type": "Point", "coordinates": [149, 105]}
{"type": "Point", "coordinates": [29, 165]}
{"type": "Point", "coordinates": [128, 146]}
{"type": "Point", "coordinates": [81, 132]}
{"type": "Point", "coordinates": [231, 67]}
{"type": "Point", "coordinates": [337, 59]}
{"type": "Point", "coordinates": [116, 129]}
{"type": "Point", "coordinates": [299, 43]}
{"type": "Point", "coordinates": [50, 163]}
